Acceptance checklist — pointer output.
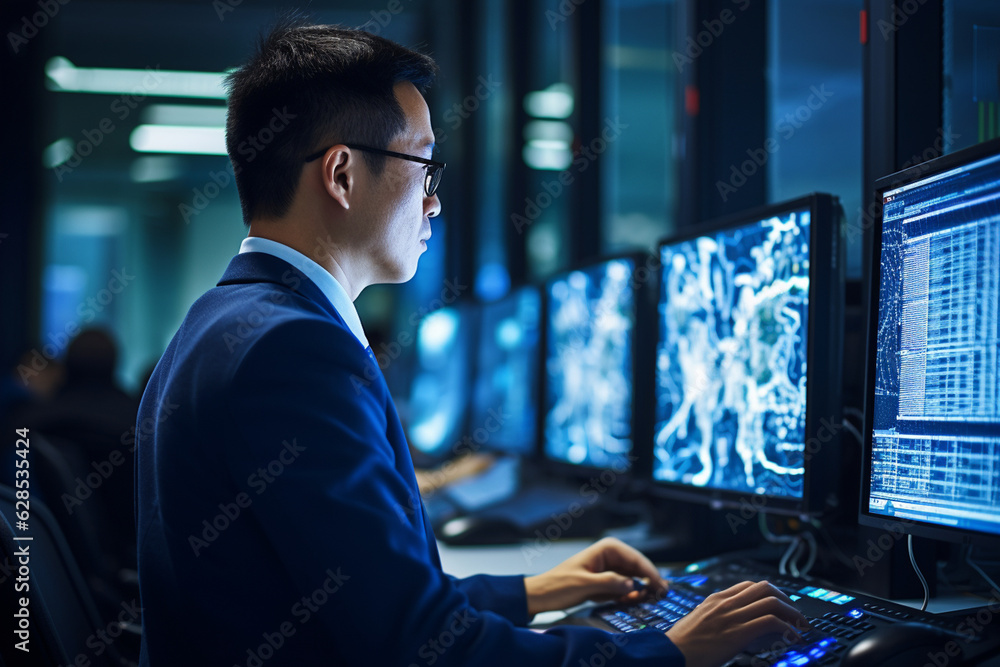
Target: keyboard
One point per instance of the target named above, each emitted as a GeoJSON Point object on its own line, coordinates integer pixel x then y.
{"type": "Point", "coordinates": [837, 619]}
{"type": "Point", "coordinates": [830, 635]}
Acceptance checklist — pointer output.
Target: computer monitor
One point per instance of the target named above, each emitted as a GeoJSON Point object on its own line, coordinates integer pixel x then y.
{"type": "Point", "coordinates": [932, 413]}
{"type": "Point", "coordinates": [439, 391]}
{"type": "Point", "coordinates": [591, 327]}
{"type": "Point", "coordinates": [503, 415]}
{"type": "Point", "coordinates": [748, 359]}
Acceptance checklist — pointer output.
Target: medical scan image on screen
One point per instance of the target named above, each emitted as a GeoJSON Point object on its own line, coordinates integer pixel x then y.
{"type": "Point", "coordinates": [936, 408]}
{"type": "Point", "coordinates": [588, 366]}
{"type": "Point", "coordinates": [731, 358]}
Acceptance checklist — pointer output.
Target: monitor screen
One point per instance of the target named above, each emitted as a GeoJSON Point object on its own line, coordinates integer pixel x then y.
{"type": "Point", "coordinates": [439, 392]}
{"type": "Point", "coordinates": [590, 320]}
{"type": "Point", "coordinates": [933, 411]}
{"type": "Point", "coordinates": [505, 390]}
{"type": "Point", "coordinates": [732, 358]}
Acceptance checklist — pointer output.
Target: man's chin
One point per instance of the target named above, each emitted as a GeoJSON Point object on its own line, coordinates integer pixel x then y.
{"type": "Point", "coordinates": [401, 274]}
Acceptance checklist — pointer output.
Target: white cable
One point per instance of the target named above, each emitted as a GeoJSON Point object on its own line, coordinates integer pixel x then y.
{"type": "Point", "coordinates": [793, 563]}
{"type": "Point", "coordinates": [920, 575]}
{"type": "Point", "coordinates": [855, 412]}
{"type": "Point", "coordinates": [849, 427]}
{"type": "Point", "coordinates": [783, 565]}
{"type": "Point", "coordinates": [813, 552]}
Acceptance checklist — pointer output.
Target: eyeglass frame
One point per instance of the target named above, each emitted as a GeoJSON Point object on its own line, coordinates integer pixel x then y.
{"type": "Point", "coordinates": [433, 167]}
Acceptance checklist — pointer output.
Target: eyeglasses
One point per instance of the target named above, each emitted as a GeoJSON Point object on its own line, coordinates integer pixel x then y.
{"type": "Point", "coordinates": [434, 169]}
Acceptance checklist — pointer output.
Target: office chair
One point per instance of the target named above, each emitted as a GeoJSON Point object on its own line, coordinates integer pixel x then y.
{"type": "Point", "coordinates": [57, 467]}
{"type": "Point", "coordinates": [65, 620]}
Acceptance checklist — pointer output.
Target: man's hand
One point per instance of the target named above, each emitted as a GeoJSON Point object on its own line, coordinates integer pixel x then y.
{"type": "Point", "coordinates": [602, 571]}
{"type": "Point", "coordinates": [727, 621]}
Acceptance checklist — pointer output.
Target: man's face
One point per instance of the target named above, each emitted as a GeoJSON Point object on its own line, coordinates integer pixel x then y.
{"type": "Point", "coordinates": [399, 224]}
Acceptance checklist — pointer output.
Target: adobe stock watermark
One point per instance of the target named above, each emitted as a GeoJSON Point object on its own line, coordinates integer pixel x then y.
{"type": "Point", "coordinates": [106, 467]}
{"type": "Point", "coordinates": [460, 111]}
{"type": "Point", "coordinates": [259, 481]}
{"type": "Point", "coordinates": [865, 218]}
{"type": "Point", "coordinates": [553, 189]}
{"type": "Point", "coordinates": [590, 492]}
{"type": "Point", "coordinates": [605, 652]}
{"type": "Point", "coordinates": [432, 650]}
{"type": "Point", "coordinates": [248, 149]}
{"type": "Point", "coordinates": [879, 547]}
{"type": "Point", "coordinates": [388, 352]}
{"type": "Point", "coordinates": [749, 509]}
{"type": "Point", "coordinates": [970, 629]}
{"type": "Point", "coordinates": [102, 638]}
{"type": "Point", "coordinates": [223, 7]}
{"type": "Point", "coordinates": [87, 310]}
{"type": "Point", "coordinates": [786, 128]}
{"type": "Point", "coordinates": [302, 611]}
{"type": "Point", "coordinates": [712, 29]}
{"type": "Point", "coordinates": [32, 25]}
{"type": "Point", "coordinates": [901, 13]}
{"type": "Point", "coordinates": [467, 445]}
{"type": "Point", "coordinates": [561, 14]}
{"type": "Point", "coordinates": [381, 18]}
{"type": "Point", "coordinates": [256, 316]}
{"type": "Point", "coordinates": [121, 108]}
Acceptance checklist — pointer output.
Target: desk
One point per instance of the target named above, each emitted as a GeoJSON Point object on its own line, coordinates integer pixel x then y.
{"type": "Point", "coordinates": [533, 558]}
{"type": "Point", "coordinates": [528, 558]}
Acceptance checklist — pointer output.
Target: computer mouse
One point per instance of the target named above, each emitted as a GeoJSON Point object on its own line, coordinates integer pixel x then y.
{"type": "Point", "coordinates": [478, 529]}
{"type": "Point", "coordinates": [902, 645]}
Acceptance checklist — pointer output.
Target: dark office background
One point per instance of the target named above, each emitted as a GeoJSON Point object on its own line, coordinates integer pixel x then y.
{"type": "Point", "coordinates": [658, 114]}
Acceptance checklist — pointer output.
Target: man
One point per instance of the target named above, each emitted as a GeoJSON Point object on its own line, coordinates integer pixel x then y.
{"type": "Point", "coordinates": [274, 490]}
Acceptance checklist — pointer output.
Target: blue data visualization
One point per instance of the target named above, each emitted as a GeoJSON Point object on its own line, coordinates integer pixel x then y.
{"type": "Point", "coordinates": [588, 366]}
{"type": "Point", "coordinates": [731, 359]}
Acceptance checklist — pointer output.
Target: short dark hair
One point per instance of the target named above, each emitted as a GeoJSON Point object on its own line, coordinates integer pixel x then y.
{"type": "Point", "coordinates": [305, 87]}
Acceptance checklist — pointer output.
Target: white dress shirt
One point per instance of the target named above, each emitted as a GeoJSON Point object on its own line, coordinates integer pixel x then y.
{"type": "Point", "coordinates": [327, 284]}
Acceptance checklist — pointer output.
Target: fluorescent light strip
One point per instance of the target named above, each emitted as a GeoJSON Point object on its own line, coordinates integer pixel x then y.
{"type": "Point", "coordinates": [184, 114]}
{"type": "Point", "coordinates": [548, 158]}
{"type": "Point", "coordinates": [57, 152]}
{"type": "Point", "coordinates": [66, 77]}
{"type": "Point", "coordinates": [178, 139]}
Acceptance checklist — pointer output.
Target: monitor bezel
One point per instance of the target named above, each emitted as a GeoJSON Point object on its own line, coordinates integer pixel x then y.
{"type": "Point", "coordinates": [640, 341]}
{"type": "Point", "coordinates": [935, 167]}
{"type": "Point", "coordinates": [825, 331]}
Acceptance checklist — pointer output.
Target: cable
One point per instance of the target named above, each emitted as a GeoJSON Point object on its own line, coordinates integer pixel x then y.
{"type": "Point", "coordinates": [768, 535]}
{"type": "Point", "coordinates": [989, 580]}
{"type": "Point", "coordinates": [813, 553]}
{"type": "Point", "coordinates": [792, 548]}
{"type": "Point", "coordinates": [849, 427]}
{"type": "Point", "coordinates": [920, 575]}
{"type": "Point", "coordinates": [855, 412]}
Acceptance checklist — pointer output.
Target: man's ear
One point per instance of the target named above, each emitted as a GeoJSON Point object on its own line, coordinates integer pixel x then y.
{"type": "Point", "coordinates": [339, 165]}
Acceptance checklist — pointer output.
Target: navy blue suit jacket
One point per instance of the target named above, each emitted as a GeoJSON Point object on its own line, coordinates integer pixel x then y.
{"type": "Point", "coordinates": [279, 521]}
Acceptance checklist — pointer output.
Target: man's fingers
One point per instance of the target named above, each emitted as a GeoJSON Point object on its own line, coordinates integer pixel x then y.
{"type": "Point", "coordinates": [624, 559]}
{"type": "Point", "coordinates": [774, 601]}
{"type": "Point", "coordinates": [772, 606]}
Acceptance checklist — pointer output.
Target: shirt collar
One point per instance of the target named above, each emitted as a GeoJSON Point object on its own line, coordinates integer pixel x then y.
{"type": "Point", "coordinates": [323, 279]}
